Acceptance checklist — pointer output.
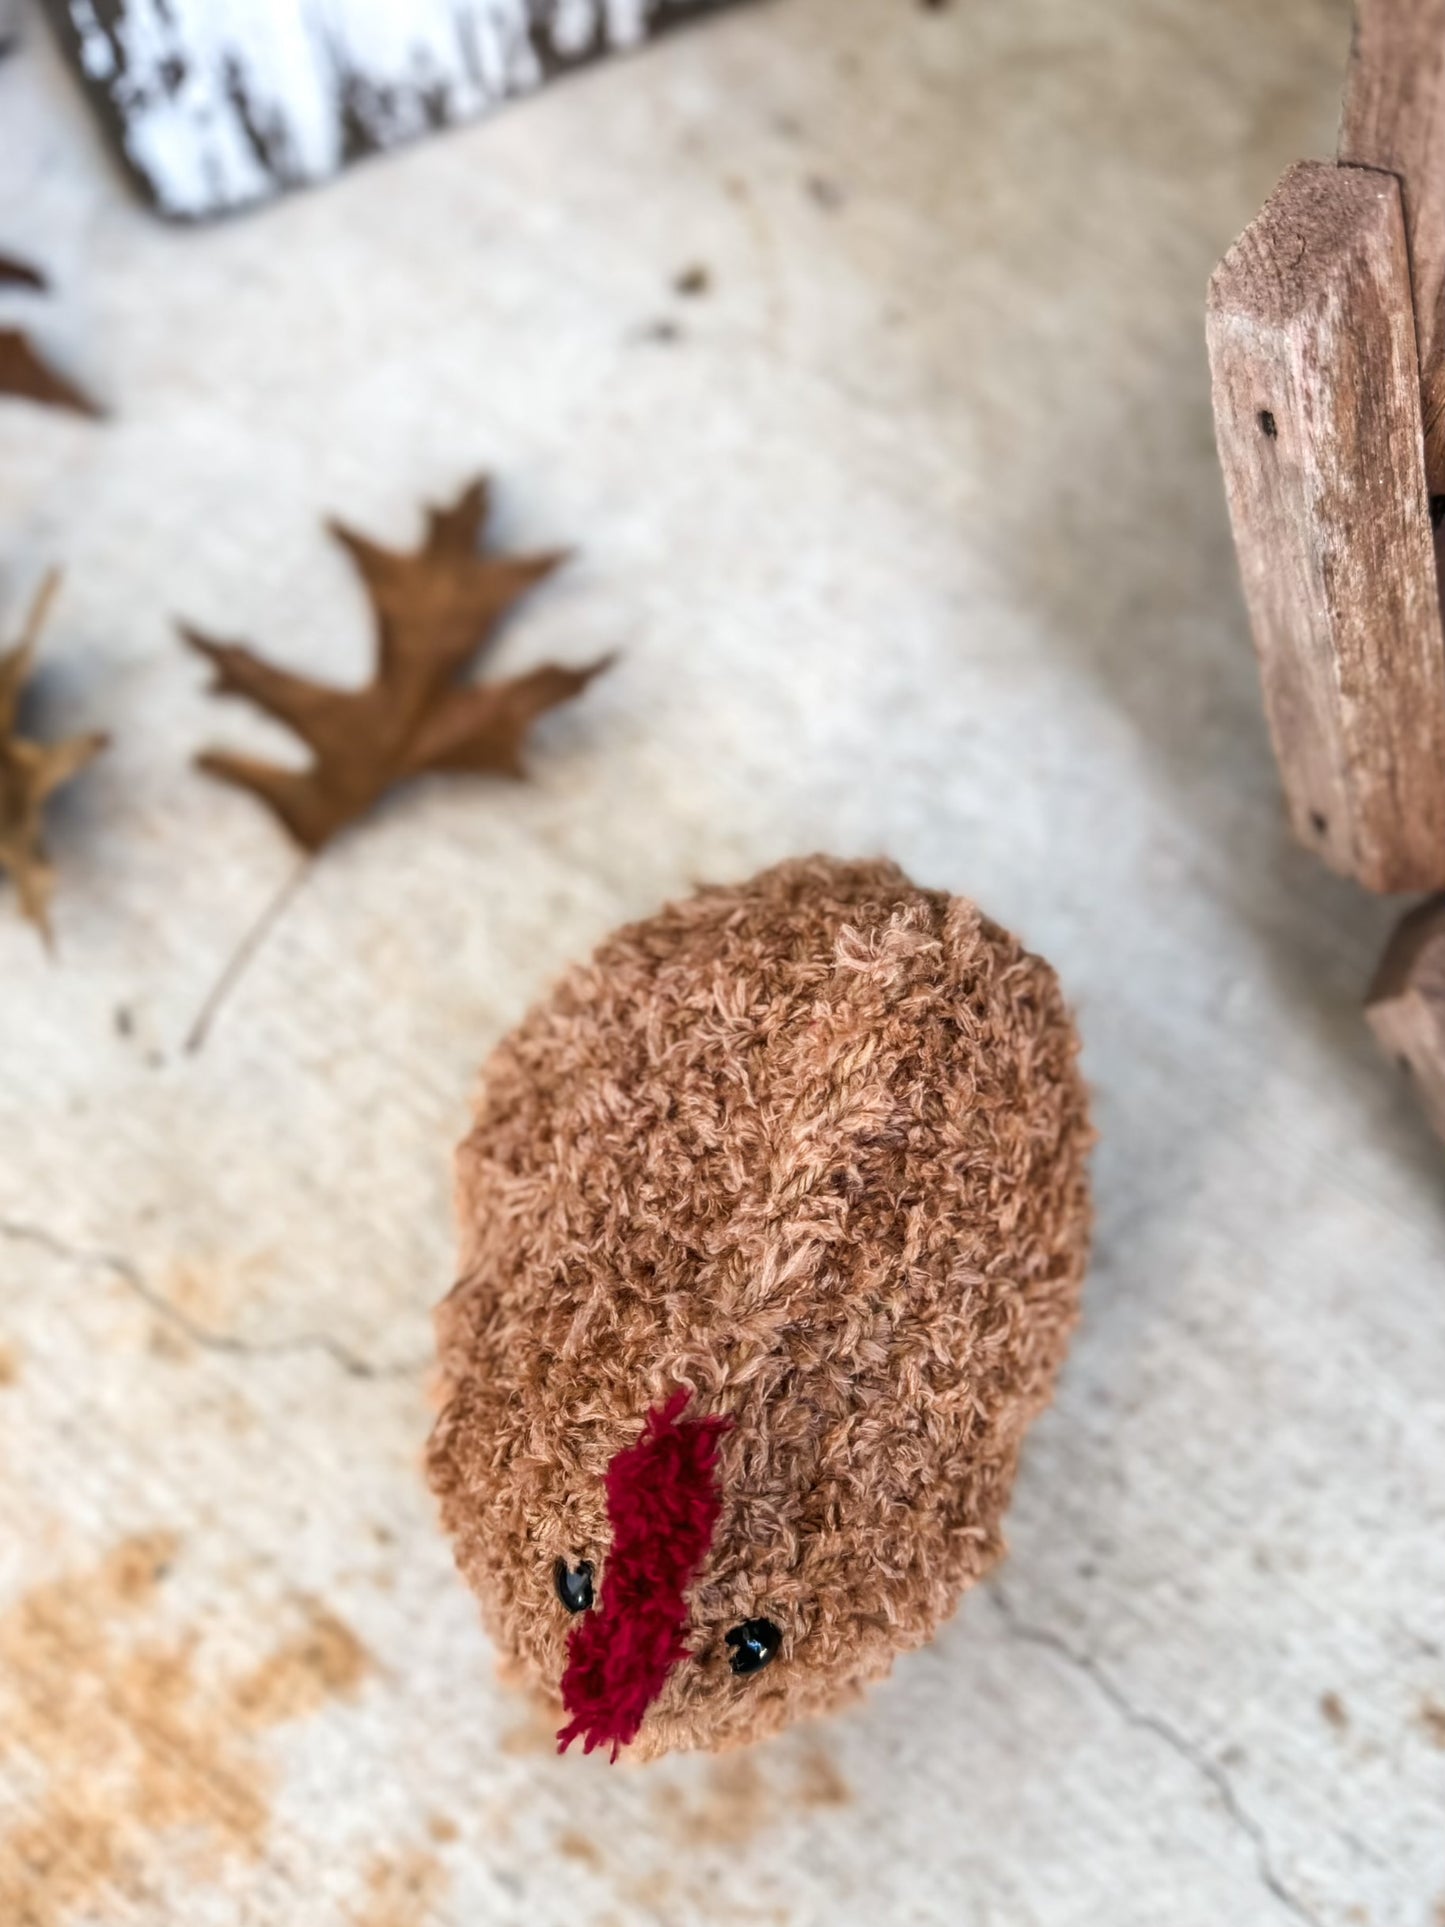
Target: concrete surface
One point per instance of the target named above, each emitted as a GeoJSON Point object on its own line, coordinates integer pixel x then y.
{"type": "Point", "coordinates": [912, 540]}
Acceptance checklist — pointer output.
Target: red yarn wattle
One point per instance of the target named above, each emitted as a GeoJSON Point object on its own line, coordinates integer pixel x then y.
{"type": "Point", "coordinates": [663, 1504]}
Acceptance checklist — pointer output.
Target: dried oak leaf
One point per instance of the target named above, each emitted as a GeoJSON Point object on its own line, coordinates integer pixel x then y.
{"type": "Point", "coordinates": [26, 375]}
{"type": "Point", "coordinates": [31, 772]}
{"type": "Point", "coordinates": [20, 274]}
{"type": "Point", "coordinates": [24, 371]}
{"type": "Point", "coordinates": [434, 608]}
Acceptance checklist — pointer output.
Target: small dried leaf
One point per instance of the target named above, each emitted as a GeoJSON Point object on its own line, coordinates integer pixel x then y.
{"type": "Point", "coordinates": [20, 274]}
{"type": "Point", "coordinates": [435, 608]}
{"type": "Point", "coordinates": [23, 373]}
{"type": "Point", "coordinates": [31, 772]}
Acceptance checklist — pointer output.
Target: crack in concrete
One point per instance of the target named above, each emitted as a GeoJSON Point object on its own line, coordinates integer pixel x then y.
{"type": "Point", "coordinates": [226, 1344]}
{"type": "Point", "coordinates": [1208, 1769]}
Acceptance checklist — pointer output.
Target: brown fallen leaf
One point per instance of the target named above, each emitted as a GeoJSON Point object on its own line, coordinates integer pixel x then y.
{"type": "Point", "coordinates": [31, 772]}
{"type": "Point", "coordinates": [436, 608]}
{"type": "Point", "coordinates": [27, 376]}
{"type": "Point", "coordinates": [20, 274]}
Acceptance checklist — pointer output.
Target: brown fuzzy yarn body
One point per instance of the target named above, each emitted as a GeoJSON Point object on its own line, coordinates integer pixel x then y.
{"type": "Point", "coordinates": [815, 1148]}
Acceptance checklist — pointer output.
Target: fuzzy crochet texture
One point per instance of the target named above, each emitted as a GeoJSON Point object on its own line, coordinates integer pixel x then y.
{"type": "Point", "coordinates": [812, 1151]}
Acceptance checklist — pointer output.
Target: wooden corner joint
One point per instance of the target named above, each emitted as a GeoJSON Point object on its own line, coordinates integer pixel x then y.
{"type": "Point", "coordinates": [1316, 386]}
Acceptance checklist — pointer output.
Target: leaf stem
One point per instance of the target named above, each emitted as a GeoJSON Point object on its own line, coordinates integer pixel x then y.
{"type": "Point", "coordinates": [40, 605]}
{"type": "Point", "coordinates": [241, 956]}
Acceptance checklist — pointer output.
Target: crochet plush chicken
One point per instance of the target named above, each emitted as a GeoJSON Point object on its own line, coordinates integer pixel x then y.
{"type": "Point", "coordinates": [773, 1220]}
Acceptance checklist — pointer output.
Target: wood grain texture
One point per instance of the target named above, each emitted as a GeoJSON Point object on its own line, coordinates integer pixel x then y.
{"type": "Point", "coordinates": [1406, 1004]}
{"type": "Point", "coordinates": [213, 108]}
{"type": "Point", "coordinates": [1317, 414]}
{"type": "Point", "coordinates": [1394, 118]}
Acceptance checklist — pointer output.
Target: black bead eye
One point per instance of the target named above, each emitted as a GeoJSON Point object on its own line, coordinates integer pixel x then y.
{"type": "Point", "coordinates": [754, 1643]}
{"type": "Point", "coordinates": [574, 1585]}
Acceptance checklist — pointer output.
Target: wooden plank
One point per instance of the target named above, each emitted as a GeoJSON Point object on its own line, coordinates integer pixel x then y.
{"type": "Point", "coordinates": [1406, 1005]}
{"type": "Point", "coordinates": [212, 108]}
{"type": "Point", "coordinates": [1394, 118]}
{"type": "Point", "coordinates": [1317, 413]}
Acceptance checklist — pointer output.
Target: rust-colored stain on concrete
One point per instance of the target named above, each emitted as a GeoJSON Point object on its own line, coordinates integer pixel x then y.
{"type": "Point", "coordinates": [122, 1738]}
{"type": "Point", "coordinates": [169, 1343]}
{"type": "Point", "coordinates": [655, 1893]}
{"type": "Point", "coordinates": [210, 1289]}
{"type": "Point", "coordinates": [401, 1890]}
{"type": "Point", "coordinates": [819, 1782]}
{"type": "Point", "coordinates": [662, 1896]}
{"type": "Point", "coordinates": [9, 1365]}
{"type": "Point", "coordinates": [736, 1803]}
{"type": "Point", "coordinates": [534, 1733]}
{"type": "Point", "coordinates": [1432, 1721]}
{"type": "Point", "coordinates": [573, 1845]}
{"type": "Point", "coordinates": [743, 1794]}
{"type": "Point", "coordinates": [324, 1661]}
{"type": "Point", "coordinates": [145, 1774]}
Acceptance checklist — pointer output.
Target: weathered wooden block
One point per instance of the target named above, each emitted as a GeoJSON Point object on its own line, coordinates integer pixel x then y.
{"type": "Point", "coordinates": [1406, 1004]}
{"type": "Point", "coordinates": [213, 107]}
{"type": "Point", "coordinates": [1394, 118]}
{"type": "Point", "coordinates": [1317, 412]}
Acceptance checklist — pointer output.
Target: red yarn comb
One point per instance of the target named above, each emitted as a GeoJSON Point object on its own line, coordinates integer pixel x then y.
{"type": "Point", "coordinates": [663, 1504]}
